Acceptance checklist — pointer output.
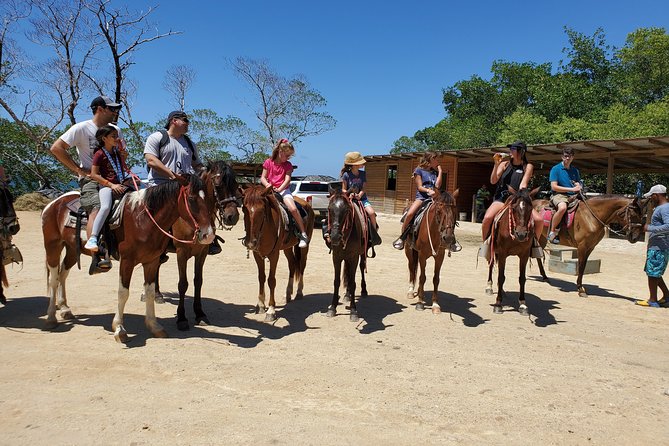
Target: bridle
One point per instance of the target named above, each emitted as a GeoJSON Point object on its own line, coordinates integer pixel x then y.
{"type": "Point", "coordinates": [513, 224]}
{"type": "Point", "coordinates": [439, 208]}
{"type": "Point", "coordinates": [267, 211]}
{"type": "Point", "coordinates": [627, 228]}
{"type": "Point", "coordinates": [183, 192]}
{"type": "Point", "coordinates": [222, 203]}
{"type": "Point", "coordinates": [347, 225]}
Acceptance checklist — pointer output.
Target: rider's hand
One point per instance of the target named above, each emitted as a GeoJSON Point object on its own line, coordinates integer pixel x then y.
{"type": "Point", "coordinates": [430, 192]}
{"type": "Point", "coordinates": [439, 168]}
{"type": "Point", "coordinates": [577, 187]}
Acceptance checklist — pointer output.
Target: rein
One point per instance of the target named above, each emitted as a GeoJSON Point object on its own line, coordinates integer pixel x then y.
{"type": "Point", "coordinates": [513, 224]}
{"type": "Point", "coordinates": [627, 220]}
{"type": "Point", "coordinates": [347, 225]}
{"type": "Point", "coordinates": [182, 192]}
{"type": "Point", "coordinates": [220, 203]}
{"type": "Point", "coordinates": [439, 226]}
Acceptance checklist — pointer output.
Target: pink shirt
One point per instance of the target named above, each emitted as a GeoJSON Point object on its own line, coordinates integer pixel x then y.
{"type": "Point", "coordinates": [276, 173]}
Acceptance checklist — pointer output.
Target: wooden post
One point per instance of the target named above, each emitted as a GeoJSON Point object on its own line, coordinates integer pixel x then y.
{"type": "Point", "coordinates": [609, 183]}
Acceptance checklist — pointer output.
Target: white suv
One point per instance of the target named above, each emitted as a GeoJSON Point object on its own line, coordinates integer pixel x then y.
{"type": "Point", "coordinates": [314, 192]}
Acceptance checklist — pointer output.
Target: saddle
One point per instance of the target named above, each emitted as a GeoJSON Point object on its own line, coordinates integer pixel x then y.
{"type": "Point", "coordinates": [567, 220]}
{"type": "Point", "coordinates": [287, 218]}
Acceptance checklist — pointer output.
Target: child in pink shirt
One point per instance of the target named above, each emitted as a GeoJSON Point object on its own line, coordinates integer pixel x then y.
{"type": "Point", "coordinates": [276, 172]}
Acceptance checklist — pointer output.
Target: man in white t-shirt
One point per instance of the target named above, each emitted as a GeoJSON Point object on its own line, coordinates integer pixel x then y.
{"type": "Point", "coordinates": [177, 156]}
{"type": "Point", "coordinates": [82, 136]}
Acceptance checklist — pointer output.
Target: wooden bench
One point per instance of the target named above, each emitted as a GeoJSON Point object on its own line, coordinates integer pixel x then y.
{"type": "Point", "coordinates": [564, 260]}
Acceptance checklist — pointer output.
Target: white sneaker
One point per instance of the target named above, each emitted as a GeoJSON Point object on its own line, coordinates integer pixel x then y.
{"type": "Point", "coordinates": [92, 244]}
{"type": "Point", "coordinates": [304, 240]}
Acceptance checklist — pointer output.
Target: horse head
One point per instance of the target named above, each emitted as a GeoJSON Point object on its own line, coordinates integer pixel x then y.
{"type": "Point", "coordinates": [193, 208]}
{"type": "Point", "coordinates": [221, 178]}
{"type": "Point", "coordinates": [257, 210]}
{"type": "Point", "coordinates": [8, 219]}
{"type": "Point", "coordinates": [340, 217]}
{"type": "Point", "coordinates": [446, 210]}
{"type": "Point", "coordinates": [520, 214]}
{"type": "Point", "coordinates": [633, 217]}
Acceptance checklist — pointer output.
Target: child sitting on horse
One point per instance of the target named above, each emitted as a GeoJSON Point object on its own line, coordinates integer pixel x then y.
{"type": "Point", "coordinates": [428, 177]}
{"type": "Point", "coordinates": [109, 171]}
{"type": "Point", "coordinates": [276, 172]}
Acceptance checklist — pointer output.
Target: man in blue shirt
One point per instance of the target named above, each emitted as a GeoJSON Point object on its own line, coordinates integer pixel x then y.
{"type": "Point", "coordinates": [565, 182]}
{"type": "Point", "coordinates": [657, 253]}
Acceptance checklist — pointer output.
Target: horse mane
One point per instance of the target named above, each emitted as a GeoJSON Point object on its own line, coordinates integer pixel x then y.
{"type": "Point", "coordinates": [446, 198]}
{"type": "Point", "coordinates": [158, 196]}
{"type": "Point", "coordinates": [254, 193]}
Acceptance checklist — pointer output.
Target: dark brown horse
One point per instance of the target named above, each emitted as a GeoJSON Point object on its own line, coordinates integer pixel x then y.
{"type": "Point", "coordinates": [348, 238]}
{"type": "Point", "coordinates": [141, 239]}
{"type": "Point", "coordinates": [592, 217]}
{"type": "Point", "coordinates": [435, 234]}
{"type": "Point", "coordinates": [9, 226]}
{"type": "Point", "coordinates": [221, 197]}
{"type": "Point", "coordinates": [266, 236]}
{"type": "Point", "coordinates": [512, 235]}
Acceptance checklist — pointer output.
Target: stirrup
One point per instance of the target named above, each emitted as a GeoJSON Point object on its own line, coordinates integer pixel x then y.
{"type": "Point", "coordinates": [398, 244]}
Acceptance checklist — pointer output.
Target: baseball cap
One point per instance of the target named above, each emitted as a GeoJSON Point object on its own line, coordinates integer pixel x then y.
{"type": "Point", "coordinates": [175, 114]}
{"type": "Point", "coordinates": [657, 189]}
{"type": "Point", "coordinates": [104, 101]}
{"type": "Point", "coordinates": [519, 145]}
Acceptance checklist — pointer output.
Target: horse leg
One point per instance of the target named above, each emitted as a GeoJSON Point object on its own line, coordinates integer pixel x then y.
{"type": "Point", "coordinates": [200, 316]}
{"type": "Point", "coordinates": [150, 270]}
{"type": "Point", "coordinates": [271, 283]}
{"type": "Point", "coordinates": [302, 264]}
{"type": "Point", "coordinates": [522, 307]}
{"type": "Point", "coordinates": [420, 305]}
{"type": "Point", "coordinates": [363, 282]}
{"type": "Point", "coordinates": [351, 265]}
{"type": "Point", "coordinates": [583, 254]}
{"type": "Point", "coordinates": [412, 260]}
{"type": "Point", "coordinates": [488, 286]}
{"type": "Point", "coordinates": [501, 264]}
{"type": "Point", "coordinates": [260, 262]}
{"type": "Point", "coordinates": [68, 262]}
{"type": "Point", "coordinates": [332, 309]}
{"type": "Point", "coordinates": [182, 264]}
{"type": "Point", "coordinates": [124, 276]}
{"type": "Point", "coordinates": [53, 285]}
{"type": "Point", "coordinates": [290, 257]}
{"type": "Point", "coordinates": [438, 261]}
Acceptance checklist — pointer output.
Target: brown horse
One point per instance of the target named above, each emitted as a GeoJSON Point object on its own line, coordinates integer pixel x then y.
{"type": "Point", "coordinates": [141, 239]}
{"type": "Point", "coordinates": [512, 235]}
{"type": "Point", "coordinates": [9, 226]}
{"type": "Point", "coordinates": [436, 233]}
{"type": "Point", "coordinates": [348, 237]}
{"type": "Point", "coordinates": [266, 235]}
{"type": "Point", "coordinates": [221, 197]}
{"type": "Point", "coordinates": [592, 217]}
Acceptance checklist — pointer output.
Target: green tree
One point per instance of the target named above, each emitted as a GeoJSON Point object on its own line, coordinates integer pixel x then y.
{"type": "Point", "coordinates": [407, 144]}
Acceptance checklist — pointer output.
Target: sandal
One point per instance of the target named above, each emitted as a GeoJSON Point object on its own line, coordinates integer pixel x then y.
{"type": "Point", "coordinates": [663, 302]}
{"type": "Point", "coordinates": [646, 303]}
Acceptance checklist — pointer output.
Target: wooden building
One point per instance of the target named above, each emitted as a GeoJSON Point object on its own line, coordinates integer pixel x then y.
{"type": "Point", "coordinates": [390, 184]}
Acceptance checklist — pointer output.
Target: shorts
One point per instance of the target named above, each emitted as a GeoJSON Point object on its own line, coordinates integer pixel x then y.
{"type": "Point", "coordinates": [656, 262]}
{"type": "Point", "coordinates": [90, 198]}
{"type": "Point", "coordinates": [559, 198]}
{"type": "Point", "coordinates": [286, 193]}
{"type": "Point", "coordinates": [365, 202]}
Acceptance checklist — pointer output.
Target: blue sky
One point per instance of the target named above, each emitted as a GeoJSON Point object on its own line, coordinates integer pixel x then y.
{"type": "Point", "coordinates": [381, 65]}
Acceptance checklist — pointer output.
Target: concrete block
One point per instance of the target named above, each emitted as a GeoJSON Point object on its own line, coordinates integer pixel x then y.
{"type": "Point", "coordinates": [570, 266]}
{"type": "Point", "coordinates": [562, 253]}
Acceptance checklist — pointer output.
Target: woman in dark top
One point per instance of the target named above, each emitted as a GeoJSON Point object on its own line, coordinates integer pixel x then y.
{"type": "Point", "coordinates": [510, 170]}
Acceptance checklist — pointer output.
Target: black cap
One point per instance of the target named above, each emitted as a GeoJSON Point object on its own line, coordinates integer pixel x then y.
{"type": "Point", "coordinates": [104, 101]}
{"type": "Point", "coordinates": [518, 145]}
{"type": "Point", "coordinates": [175, 114]}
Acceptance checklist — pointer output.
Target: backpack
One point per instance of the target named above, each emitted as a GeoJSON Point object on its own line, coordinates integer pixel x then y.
{"type": "Point", "coordinates": [165, 138]}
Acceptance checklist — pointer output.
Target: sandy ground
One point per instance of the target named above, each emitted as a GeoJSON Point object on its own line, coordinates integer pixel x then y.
{"type": "Point", "coordinates": [577, 371]}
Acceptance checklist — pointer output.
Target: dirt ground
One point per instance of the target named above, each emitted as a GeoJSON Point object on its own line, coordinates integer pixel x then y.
{"type": "Point", "coordinates": [577, 371]}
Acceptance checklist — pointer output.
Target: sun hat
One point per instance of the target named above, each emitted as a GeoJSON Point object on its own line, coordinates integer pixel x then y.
{"type": "Point", "coordinates": [657, 189]}
{"type": "Point", "coordinates": [354, 159]}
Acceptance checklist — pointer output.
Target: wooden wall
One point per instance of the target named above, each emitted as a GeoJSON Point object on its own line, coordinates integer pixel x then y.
{"type": "Point", "coordinates": [467, 177]}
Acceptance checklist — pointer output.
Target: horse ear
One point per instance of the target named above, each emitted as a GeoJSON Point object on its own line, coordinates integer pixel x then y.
{"type": "Point", "coordinates": [534, 192]}
{"type": "Point", "coordinates": [331, 190]}
{"type": "Point", "coordinates": [455, 194]}
{"type": "Point", "coordinates": [267, 191]}
{"type": "Point", "coordinates": [512, 191]}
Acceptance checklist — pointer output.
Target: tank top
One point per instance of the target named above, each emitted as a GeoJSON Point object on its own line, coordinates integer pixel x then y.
{"type": "Point", "coordinates": [512, 176]}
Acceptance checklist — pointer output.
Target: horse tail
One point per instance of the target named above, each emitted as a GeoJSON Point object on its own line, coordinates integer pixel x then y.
{"type": "Point", "coordinates": [297, 252]}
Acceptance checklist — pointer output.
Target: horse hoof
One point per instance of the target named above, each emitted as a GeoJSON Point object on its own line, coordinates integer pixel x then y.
{"type": "Point", "coordinates": [497, 309]}
{"type": "Point", "coordinates": [260, 310]}
{"type": "Point", "coordinates": [346, 298]}
{"type": "Point", "coordinates": [202, 321]}
{"type": "Point", "coordinates": [50, 325]}
{"type": "Point", "coordinates": [183, 325]}
{"type": "Point", "coordinates": [411, 295]}
{"type": "Point", "coordinates": [331, 312]}
{"type": "Point", "coordinates": [270, 317]}
{"type": "Point", "coordinates": [436, 309]}
{"type": "Point", "coordinates": [420, 306]}
{"type": "Point", "coordinates": [121, 336]}
{"type": "Point", "coordinates": [67, 315]}
{"type": "Point", "coordinates": [523, 310]}
{"type": "Point", "coordinates": [354, 317]}
{"type": "Point", "coordinates": [160, 334]}
{"type": "Point", "coordinates": [363, 293]}
{"type": "Point", "coordinates": [488, 291]}
{"type": "Point", "coordinates": [299, 296]}
{"type": "Point", "coordinates": [582, 294]}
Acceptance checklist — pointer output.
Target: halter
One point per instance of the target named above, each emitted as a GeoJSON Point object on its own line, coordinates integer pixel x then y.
{"type": "Point", "coordinates": [513, 224]}
{"type": "Point", "coordinates": [626, 230]}
{"type": "Point", "coordinates": [221, 203]}
{"type": "Point", "coordinates": [347, 225]}
{"type": "Point", "coordinates": [268, 215]}
{"type": "Point", "coordinates": [440, 224]}
{"type": "Point", "coordinates": [182, 192]}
